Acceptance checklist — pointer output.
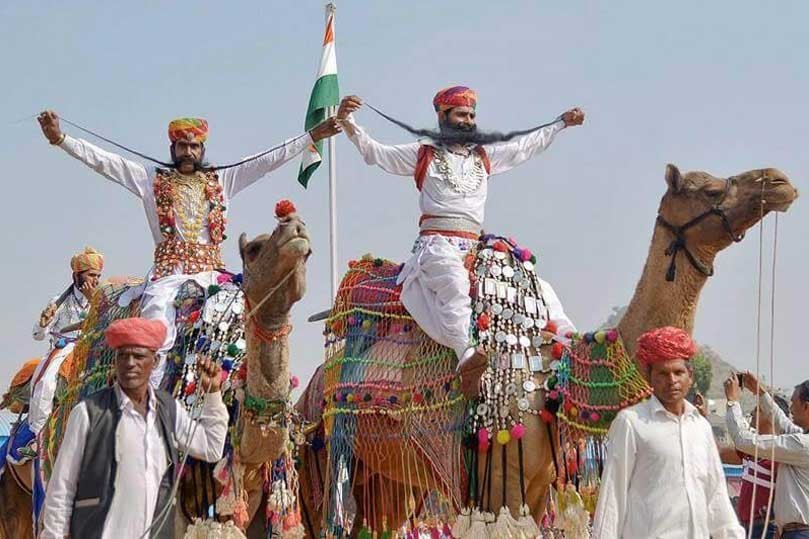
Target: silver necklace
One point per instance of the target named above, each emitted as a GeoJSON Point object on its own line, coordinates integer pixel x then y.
{"type": "Point", "coordinates": [466, 182]}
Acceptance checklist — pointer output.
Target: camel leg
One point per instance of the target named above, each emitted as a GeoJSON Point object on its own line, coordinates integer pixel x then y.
{"type": "Point", "coordinates": [16, 521]}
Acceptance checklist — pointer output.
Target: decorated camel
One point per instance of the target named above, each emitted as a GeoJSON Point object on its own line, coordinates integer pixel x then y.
{"type": "Point", "coordinates": [257, 306]}
{"type": "Point", "coordinates": [389, 411]}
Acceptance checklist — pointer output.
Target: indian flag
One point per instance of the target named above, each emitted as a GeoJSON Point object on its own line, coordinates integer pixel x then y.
{"type": "Point", "coordinates": [326, 93]}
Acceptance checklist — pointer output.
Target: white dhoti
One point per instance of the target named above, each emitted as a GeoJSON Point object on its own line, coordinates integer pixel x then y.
{"type": "Point", "coordinates": [157, 303]}
{"type": "Point", "coordinates": [435, 290]}
{"type": "Point", "coordinates": [43, 388]}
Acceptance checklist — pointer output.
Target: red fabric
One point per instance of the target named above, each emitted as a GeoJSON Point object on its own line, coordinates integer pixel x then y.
{"type": "Point", "coordinates": [455, 96]}
{"type": "Point", "coordinates": [136, 332]}
{"type": "Point", "coordinates": [762, 491]}
{"type": "Point", "coordinates": [426, 155]}
{"type": "Point", "coordinates": [665, 344]}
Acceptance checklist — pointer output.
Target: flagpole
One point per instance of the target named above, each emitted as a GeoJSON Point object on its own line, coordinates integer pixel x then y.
{"type": "Point", "coordinates": [330, 9]}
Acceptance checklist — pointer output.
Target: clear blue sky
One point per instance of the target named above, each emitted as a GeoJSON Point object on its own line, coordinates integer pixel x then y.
{"type": "Point", "coordinates": [717, 86]}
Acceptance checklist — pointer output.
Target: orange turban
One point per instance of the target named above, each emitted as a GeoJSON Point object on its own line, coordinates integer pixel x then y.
{"type": "Point", "coordinates": [456, 96]}
{"type": "Point", "coordinates": [138, 332]}
{"type": "Point", "coordinates": [665, 344]}
{"type": "Point", "coordinates": [191, 129]}
{"type": "Point", "coordinates": [25, 373]}
{"type": "Point", "coordinates": [87, 260]}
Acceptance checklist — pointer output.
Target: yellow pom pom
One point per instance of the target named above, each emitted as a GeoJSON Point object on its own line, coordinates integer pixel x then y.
{"type": "Point", "coordinates": [600, 337]}
{"type": "Point", "coordinates": [503, 437]}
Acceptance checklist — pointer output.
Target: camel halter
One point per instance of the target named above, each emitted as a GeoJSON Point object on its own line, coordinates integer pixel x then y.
{"type": "Point", "coordinates": [679, 242]}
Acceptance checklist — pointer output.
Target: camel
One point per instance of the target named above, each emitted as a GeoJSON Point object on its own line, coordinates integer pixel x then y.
{"type": "Point", "coordinates": [274, 280]}
{"type": "Point", "coordinates": [678, 265]}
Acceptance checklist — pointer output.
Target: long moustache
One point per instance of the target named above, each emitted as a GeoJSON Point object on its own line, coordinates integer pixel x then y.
{"type": "Point", "coordinates": [452, 135]}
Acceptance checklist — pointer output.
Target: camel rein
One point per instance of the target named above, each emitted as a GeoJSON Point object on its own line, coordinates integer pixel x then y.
{"type": "Point", "coordinates": [679, 242]}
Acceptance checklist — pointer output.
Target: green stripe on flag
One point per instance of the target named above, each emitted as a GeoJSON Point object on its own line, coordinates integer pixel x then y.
{"type": "Point", "coordinates": [325, 93]}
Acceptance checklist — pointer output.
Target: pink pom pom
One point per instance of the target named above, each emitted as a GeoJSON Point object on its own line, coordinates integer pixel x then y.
{"type": "Point", "coordinates": [483, 435]}
{"type": "Point", "coordinates": [594, 417]}
{"type": "Point", "coordinates": [294, 382]}
{"type": "Point", "coordinates": [223, 278]}
{"type": "Point", "coordinates": [518, 431]}
{"type": "Point", "coordinates": [525, 255]}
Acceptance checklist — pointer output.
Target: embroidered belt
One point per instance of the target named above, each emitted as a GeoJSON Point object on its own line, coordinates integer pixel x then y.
{"type": "Point", "coordinates": [430, 225]}
{"type": "Point", "coordinates": [173, 254]}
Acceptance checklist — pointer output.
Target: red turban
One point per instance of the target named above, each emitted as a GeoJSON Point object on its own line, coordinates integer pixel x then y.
{"type": "Point", "coordinates": [664, 344]}
{"type": "Point", "coordinates": [191, 129]}
{"type": "Point", "coordinates": [138, 332]}
{"type": "Point", "coordinates": [456, 96]}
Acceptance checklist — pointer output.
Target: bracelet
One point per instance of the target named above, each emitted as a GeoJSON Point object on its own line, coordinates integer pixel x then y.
{"type": "Point", "coordinates": [60, 141]}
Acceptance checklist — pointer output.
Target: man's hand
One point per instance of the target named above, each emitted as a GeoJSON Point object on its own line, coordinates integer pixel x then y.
{"type": "Point", "coordinates": [88, 289]}
{"type": "Point", "coordinates": [210, 377]}
{"type": "Point", "coordinates": [325, 129]}
{"type": "Point", "coordinates": [751, 384]}
{"type": "Point", "coordinates": [732, 389]}
{"type": "Point", "coordinates": [701, 404]}
{"type": "Point", "coordinates": [349, 104]}
{"type": "Point", "coordinates": [573, 117]}
{"type": "Point", "coordinates": [49, 122]}
{"type": "Point", "coordinates": [46, 317]}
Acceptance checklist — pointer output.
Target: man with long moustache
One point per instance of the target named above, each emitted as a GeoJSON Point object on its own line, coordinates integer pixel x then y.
{"type": "Point", "coordinates": [186, 205]}
{"type": "Point", "coordinates": [452, 174]}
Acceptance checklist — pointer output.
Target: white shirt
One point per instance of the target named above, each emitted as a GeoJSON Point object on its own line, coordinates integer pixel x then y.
{"type": "Point", "coordinates": [139, 181]}
{"type": "Point", "coordinates": [436, 197]}
{"type": "Point", "coordinates": [791, 452]}
{"type": "Point", "coordinates": [70, 312]}
{"type": "Point", "coordinates": [663, 478]}
{"type": "Point", "coordinates": [142, 461]}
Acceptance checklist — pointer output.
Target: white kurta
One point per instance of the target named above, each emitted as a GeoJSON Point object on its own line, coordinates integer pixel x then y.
{"type": "Point", "coordinates": [435, 284]}
{"type": "Point", "coordinates": [663, 478]}
{"type": "Point", "coordinates": [70, 312]}
{"type": "Point", "coordinates": [789, 448]}
{"type": "Point", "coordinates": [158, 296]}
{"type": "Point", "coordinates": [141, 463]}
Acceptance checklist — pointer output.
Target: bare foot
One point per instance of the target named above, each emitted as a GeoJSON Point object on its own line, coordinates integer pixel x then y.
{"type": "Point", "coordinates": [471, 370]}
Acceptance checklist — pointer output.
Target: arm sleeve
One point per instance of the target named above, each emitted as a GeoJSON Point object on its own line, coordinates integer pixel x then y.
{"type": "Point", "coordinates": [62, 487]}
{"type": "Point", "coordinates": [785, 448]}
{"type": "Point", "coordinates": [206, 439]}
{"type": "Point", "coordinates": [237, 178]}
{"type": "Point", "coordinates": [400, 159]}
{"type": "Point", "coordinates": [780, 420]}
{"type": "Point", "coordinates": [507, 155]}
{"type": "Point", "coordinates": [129, 174]}
{"type": "Point", "coordinates": [610, 512]}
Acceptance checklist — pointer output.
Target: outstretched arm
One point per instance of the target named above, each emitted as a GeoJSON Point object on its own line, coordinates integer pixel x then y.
{"type": "Point", "coordinates": [124, 172]}
{"type": "Point", "coordinates": [238, 178]}
{"type": "Point", "coordinates": [507, 155]}
{"type": "Point", "coordinates": [400, 159]}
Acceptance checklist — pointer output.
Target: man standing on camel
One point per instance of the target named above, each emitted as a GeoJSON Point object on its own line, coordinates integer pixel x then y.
{"type": "Point", "coordinates": [452, 178]}
{"type": "Point", "coordinates": [185, 205]}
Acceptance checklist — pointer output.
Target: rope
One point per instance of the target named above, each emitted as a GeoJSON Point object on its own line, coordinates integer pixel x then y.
{"type": "Point", "coordinates": [758, 358]}
{"type": "Point", "coordinates": [772, 366]}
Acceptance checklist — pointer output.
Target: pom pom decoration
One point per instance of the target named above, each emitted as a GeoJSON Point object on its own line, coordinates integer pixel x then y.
{"type": "Point", "coordinates": [284, 208]}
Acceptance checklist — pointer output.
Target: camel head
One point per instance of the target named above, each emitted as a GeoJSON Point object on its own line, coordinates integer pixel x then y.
{"type": "Point", "coordinates": [730, 206]}
{"type": "Point", "coordinates": [275, 267]}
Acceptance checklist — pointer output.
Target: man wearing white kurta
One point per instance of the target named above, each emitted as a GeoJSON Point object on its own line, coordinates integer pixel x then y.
{"type": "Point", "coordinates": [453, 181]}
{"type": "Point", "coordinates": [663, 478]}
{"type": "Point", "coordinates": [120, 454]}
{"type": "Point", "coordinates": [186, 207]}
{"type": "Point", "coordinates": [59, 323]}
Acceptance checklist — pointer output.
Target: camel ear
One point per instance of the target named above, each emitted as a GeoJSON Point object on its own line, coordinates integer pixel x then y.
{"type": "Point", "coordinates": [674, 178]}
{"type": "Point", "coordinates": [242, 244]}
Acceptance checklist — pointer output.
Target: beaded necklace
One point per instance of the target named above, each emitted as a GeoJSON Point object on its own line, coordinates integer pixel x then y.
{"type": "Point", "coordinates": [465, 183]}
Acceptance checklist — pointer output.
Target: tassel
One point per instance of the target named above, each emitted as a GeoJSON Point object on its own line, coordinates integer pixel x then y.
{"type": "Point", "coordinates": [462, 523]}
{"type": "Point", "coordinates": [506, 527]}
{"type": "Point", "coordinates": [490, 520]}
{"type": "Point", "coordinates": [240, 515]}
{"type": "Point", "coordinates": [477, 528]}
{"type": "Point", "coordinates": [527, 523]}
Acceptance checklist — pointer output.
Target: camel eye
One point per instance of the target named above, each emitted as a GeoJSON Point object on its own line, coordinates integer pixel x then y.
{"type": "Point", "coordinates": [253, 250]}
{"type": "Point", "coordinates": [714, 192]}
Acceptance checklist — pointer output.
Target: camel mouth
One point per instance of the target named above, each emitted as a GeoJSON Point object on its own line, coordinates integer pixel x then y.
{"type": "Point", "coordinates": [780, 196]}
{"type": "Point", "coordinates": [297, 243]}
